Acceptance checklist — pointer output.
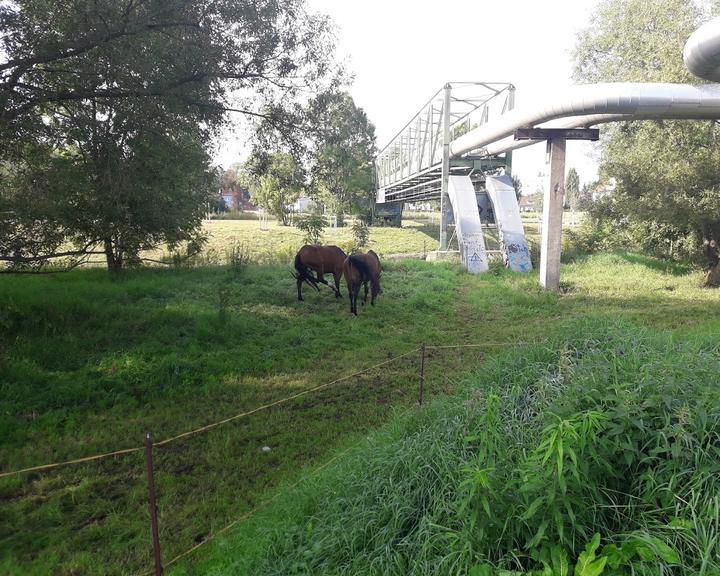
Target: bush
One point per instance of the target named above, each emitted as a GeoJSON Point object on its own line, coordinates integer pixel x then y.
{"type": "Point", "coordinates": [237, 256]}
{"type": "Point", "coordinates": [360, 234]}
{"type": "Point", "coordinates": [235, 215]}
{"type": "Point", "coordinates": [652, 239]}
{"type": "Point", "coordinates": [313, 225]}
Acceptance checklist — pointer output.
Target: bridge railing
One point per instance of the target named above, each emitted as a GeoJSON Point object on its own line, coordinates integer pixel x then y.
{"type": "Point", "coordinates": [416, 151]}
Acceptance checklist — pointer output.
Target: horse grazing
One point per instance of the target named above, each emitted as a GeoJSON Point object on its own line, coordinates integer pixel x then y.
{"type": "Point", "coordinates": [359, 270]}
{"type": "Point", "coordinates": [322, 260]}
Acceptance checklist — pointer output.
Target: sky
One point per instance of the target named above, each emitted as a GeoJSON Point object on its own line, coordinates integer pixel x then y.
{"type": "Point", "coordinates": [401, 52]}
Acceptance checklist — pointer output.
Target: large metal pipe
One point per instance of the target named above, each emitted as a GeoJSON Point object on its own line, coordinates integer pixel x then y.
{"type": "Point", "coordinates": [702, 51]}
{"type": "Point", "coordinates": [592, 104]}
{"type": "Point", "coordinates": [631, 101]}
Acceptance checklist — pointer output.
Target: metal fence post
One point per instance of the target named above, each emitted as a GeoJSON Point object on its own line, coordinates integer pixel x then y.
{"type": "Point", "coordinates": [422, 373]}
{"type": "Point", "coordinates": [152, 503]}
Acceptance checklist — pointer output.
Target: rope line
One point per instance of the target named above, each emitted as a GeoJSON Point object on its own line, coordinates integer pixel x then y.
{"type": "Point", "coordinates": [281, 401]}
{"type": "Point", "coordinates": [76, 461]}
{"type": "Point", "coordinates": [203, 428]}
{"type": "Point", "coordinates": [485, 345]}
{"type": "Point", "coordinates": [247, 413]}
{"type": "Point", "coordinates": [265, 503]}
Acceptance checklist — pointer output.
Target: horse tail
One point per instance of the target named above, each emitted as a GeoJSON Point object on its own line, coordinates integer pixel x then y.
{"type": "Point", "coordinates": [302, 273]}
{"type": "Point", "coordinates": [362, 267]}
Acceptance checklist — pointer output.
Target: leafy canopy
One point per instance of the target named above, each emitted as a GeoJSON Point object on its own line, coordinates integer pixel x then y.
{"type": "Point", "coordinates": [108, 109]}
{"type": "Point", "coordinates": [668, 172]}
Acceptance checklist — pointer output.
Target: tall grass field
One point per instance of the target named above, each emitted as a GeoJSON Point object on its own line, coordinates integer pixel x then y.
{"type": "Point", "coordinates": [88, 363]}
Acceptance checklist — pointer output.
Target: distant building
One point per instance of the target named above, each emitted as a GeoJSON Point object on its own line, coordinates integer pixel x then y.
{"type": "Point", "coordinates": [228, 199]}
{"type": "Point", "coordinates": [302, 204]}
{"type": "Point", "coordinates": [235, 197]}
{"type": "Point", "coordinates": [527, 204]}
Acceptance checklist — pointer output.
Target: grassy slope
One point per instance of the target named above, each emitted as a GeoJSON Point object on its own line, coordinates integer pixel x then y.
{"type": "Point", "coordinates": [407, 501]}
{"type": "Point", "coordinates": [88, 363]}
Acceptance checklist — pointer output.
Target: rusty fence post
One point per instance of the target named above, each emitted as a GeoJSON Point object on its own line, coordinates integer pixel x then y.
{"type": "Point", "coordinates": [422, 374]}
{"type": "Point", "coordinates": [152, 502]}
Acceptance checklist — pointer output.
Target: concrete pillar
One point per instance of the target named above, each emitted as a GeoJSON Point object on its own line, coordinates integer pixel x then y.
{"type": "Point", "coordinates": [552, 218]}
{"type": "Point", "coordinates": [444, 199]}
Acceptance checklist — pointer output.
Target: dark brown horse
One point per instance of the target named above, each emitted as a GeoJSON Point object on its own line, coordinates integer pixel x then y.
{"type": "Point", "coordinates": [359, 270]}
{"type": "Point", "coordinates": [322, 260]}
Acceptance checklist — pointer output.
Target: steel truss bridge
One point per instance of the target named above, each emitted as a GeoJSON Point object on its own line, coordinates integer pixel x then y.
{"type": "Point", "coordinates": [415, 164]}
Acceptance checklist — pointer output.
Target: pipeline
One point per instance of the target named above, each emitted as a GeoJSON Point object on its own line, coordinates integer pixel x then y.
{"type": "Point", "coordinates": [592, 104]}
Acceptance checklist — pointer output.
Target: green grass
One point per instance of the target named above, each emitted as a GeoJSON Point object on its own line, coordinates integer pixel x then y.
{"type": "Point", "coordinates": [609, 430]}
{"type": "Point", "coordinates": [278, 244]}
{"type": "Point", "coordinates": [87, 363]}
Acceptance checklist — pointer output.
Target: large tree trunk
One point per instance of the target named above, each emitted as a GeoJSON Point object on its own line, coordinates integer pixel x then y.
{"type": "Point", "coordinates": [114, 261]}
{"type": "Point", "coordinates": [712, 278]}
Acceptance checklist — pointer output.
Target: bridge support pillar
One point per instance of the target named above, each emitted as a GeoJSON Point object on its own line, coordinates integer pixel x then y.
{"type": "Point", "coordinates": [552, 217]}
{"type": "Point", "coordinates": [445, 175]}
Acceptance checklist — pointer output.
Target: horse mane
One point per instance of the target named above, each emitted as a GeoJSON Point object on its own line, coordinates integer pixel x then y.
{"type": "Point", "coordinates": [362, 267]}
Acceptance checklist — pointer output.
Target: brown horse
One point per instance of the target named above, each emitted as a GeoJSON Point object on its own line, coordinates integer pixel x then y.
{"type": "Point", "coordinates": [322, 260]}
{"type": "Point", "coordinates": [359, 269]}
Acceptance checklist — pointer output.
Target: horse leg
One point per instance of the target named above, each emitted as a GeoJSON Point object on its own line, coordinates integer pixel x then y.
{"type": "Point", "coordinates": [299, 287]}
{"type": "Point", "coordinates": [356, 291]}
{"type": "Point", "coordinates": [336, 278]}
{"type": "Point", "coordinates": [366, 292]}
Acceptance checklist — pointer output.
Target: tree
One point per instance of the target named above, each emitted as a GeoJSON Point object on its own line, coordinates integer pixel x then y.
{"type": "Point", "coordinates": [343, 151]}
{"type": "Point", "coordinates": [572, 189]}
{"type": "Point", "coordinates": [538, 200]}
{"type": "Point", "coordinates": [280, 182]}
{"type": "Point", "coordinates": [585, 197]}
{"type": "Point", "coordinates": [187, 54]}
{"type": "Point", "coordinates": [667, 172]}
{"type": "Point", "coordinates": [108, 108]}
{"type": "Point", "coordinates": [517, 184]}
{"type": "Point", "coordinates": [74, 203]}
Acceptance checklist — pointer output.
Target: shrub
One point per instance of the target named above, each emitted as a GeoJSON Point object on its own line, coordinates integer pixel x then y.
{"type": "Point", "coordinates": [360, 234]}
{"type": "Point", "coordinates": [653, 239]}
{"type": "Point", "coordinates": [237, 256]}
{"type": "Point", "coordinates": [312, 225]}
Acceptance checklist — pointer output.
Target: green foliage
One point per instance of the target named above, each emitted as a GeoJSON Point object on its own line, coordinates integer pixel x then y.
{"type": "Point", "coordinates": [360, 234]}
{"type": "Point", "coordinates": [88, 362]}
{"type": "Point", "coordinates": [280, 183]}
{"type": "Point", "coordinates": [636, 41]}
{"type": "Point", "coordinates": [590, 458]}
{"type": "Point", "coordinates": [343, 152]}
{"type": "Point", "coordinates": [237, 256]}
{"type": "Point", "coordinates": [666, 171]}
{"type": "Point", "coordinates": [115, 203]}
{"type": "Point", "coordinates": [596, 235]}
{"type": "Point", "coordinates": [108, 110]}
{"type": "Point", "coordinates": [572, 189]}
{"type": "Point", "coordinates": [538, 201]}
{"type": "Point", "coordinates": [517, 184]}
{"type": "Point", "coordinates": [313, 225]}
